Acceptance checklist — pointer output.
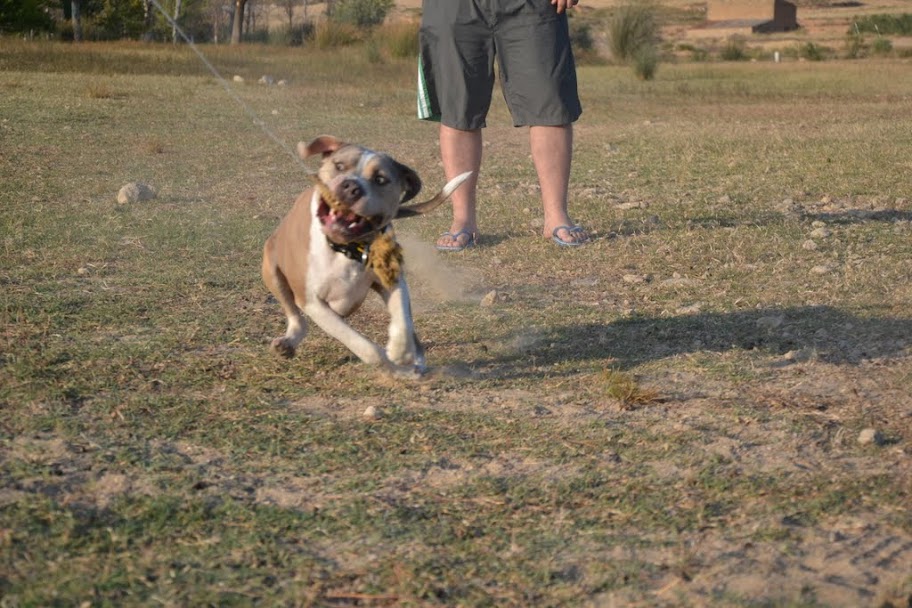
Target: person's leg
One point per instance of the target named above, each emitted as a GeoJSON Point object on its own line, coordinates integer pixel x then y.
{"type": "Point", "coordinates": [461, 151]}
{"type": "Point", "coordinates": [552, 152]}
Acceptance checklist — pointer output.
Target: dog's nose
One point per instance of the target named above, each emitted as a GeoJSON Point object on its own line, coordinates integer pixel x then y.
{"type": "Point", "coordinates": [350, 191]}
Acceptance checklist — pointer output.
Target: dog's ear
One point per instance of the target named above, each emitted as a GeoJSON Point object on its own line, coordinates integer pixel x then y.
{"type": "Point", "coordinates": [411, 183]}
{"type": "Point", "coordinates": [325, 145]}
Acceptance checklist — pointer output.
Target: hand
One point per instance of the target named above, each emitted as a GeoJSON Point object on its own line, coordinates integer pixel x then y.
{"type": "Point", "coordinates": [562, 5]}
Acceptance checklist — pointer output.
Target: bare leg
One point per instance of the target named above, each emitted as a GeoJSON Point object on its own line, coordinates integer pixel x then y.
{"type": "Point", "coordinates": [552, 152]}
{"type": "Point", "coordinates": [461, 152]}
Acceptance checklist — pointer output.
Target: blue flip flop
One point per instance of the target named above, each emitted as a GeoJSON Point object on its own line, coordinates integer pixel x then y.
{"type": "Point", "coordinates": [572, 230]}
{"type": "Point", "coordinates": [470, 242]}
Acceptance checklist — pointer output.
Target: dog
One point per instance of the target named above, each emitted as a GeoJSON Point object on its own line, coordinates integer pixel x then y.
{"type": "Point", "coordinates": [337, 244]}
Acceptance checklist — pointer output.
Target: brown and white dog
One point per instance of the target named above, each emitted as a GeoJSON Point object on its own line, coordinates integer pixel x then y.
{"type": "Point", "coordinates": [337, 244]}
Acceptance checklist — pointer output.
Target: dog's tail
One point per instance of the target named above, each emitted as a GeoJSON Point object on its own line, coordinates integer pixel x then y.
{"type": "Point", "coordinates": [444, 194]}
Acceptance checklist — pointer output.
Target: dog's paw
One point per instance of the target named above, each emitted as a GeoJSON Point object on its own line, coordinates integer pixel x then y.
{"type": "Point", "coordinates": [282, 348]}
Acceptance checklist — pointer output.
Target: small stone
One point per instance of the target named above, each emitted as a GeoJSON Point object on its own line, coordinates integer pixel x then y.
{"type": "Point", "coordinates": [635, 278]}
{"type": "Point", "coordinates": [818, 224]}
{"type": "Point", "coordinates": [821, 233]}
{"type": "Point", "coordinates": [489, 299]}
{"type": "Point", "coordinates": [822, 269]}
{"type": "Point", "coordinates": [282, 83]}
{"type": "Point", "coordinates": [371, 413]}
{"type": "Point", "coordinates": [82, 271]}
{"type": "Point", "coordinates": [238, 78]}
{"type": "Point", "coordinates": [135, 192]}
{"type": "Point", "coordinates": [809, 245]}
{"type": "Point", "coordinates": [724, 200]}
{"type": "Point", "coordinates": [869, 436]}
{"type": "Point", "coordinates": [631, 205]}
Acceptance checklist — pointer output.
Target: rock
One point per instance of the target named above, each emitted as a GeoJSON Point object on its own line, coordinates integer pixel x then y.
{"type": "Point", "coordinates": [821, 233]}
{"type": "Point", "coordinates": [371, 413]}
{"type": "Point", "coordinates": [636, 278]}
{"type": "Point", "coordinates": [489, 299]}
{"type": "Point", "coordinates": [631, 205]}
{"type": "Point", "coordinates": [822, 269]}
{"type": "Point", "coordinates": [869, 436]}
{"type": "Point", "coordinates": [818, 224]}
{"type": "Point", "coordinates": [267, 80]}
{"type": "Point", "coordinates": [809, 245]}
{"type": "Point", "coordinates": [238, 78]}
{"type": "Point", "coordinates": [135, 192]}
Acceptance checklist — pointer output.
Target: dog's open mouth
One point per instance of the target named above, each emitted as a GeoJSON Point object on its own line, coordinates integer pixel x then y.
{"type": "Point", "coordinates": [339, 222]}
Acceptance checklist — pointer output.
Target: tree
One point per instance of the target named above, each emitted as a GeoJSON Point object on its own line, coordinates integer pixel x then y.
{"type": "Point", "coordinates": [25, 16]}
{"type": "Point", "coordinates": [361, 13]}
{"type": "Point", "coordinates": [77, 20]}
{"type": "Point", "coordinates": [237, 24]}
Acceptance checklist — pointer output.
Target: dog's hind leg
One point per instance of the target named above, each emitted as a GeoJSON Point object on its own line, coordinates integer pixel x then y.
{"type": "Point", "coordinates": [296, 329]}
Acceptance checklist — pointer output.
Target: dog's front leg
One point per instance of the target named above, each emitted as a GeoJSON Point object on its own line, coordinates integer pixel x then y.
{"type": "Point", "coordinates": [403, 346]}
{"type": "Point", "coordinates": [334, 325]}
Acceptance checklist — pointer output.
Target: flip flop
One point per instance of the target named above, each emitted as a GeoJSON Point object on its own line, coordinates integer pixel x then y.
{"type": "Point", "coordinates": [572, 230]}
{"type": "Point", "coordinates": [470, 242]}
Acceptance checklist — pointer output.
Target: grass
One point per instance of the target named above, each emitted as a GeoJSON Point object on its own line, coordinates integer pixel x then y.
{"type": "Point", "coordinates": [665, 417]}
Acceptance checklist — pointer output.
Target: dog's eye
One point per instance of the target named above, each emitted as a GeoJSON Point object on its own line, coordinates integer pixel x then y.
{"type": "Point", "coordinates": [340, 166]}
{"type": "Point", "coordinates": [380, 179]}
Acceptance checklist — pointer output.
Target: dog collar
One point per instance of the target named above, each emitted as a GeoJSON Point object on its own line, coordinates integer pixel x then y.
{"type": "Point", "coordinates": [382, 255]}
{"type": "Point", "coordinates": [353, 251]}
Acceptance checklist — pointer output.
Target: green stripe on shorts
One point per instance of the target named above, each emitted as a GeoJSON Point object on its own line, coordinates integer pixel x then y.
{"type": "Point", "coordinates": [425, 111]}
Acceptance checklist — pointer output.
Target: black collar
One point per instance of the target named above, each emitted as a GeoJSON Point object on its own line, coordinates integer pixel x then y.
{"type": "Point", "coordinates": [354, 251]}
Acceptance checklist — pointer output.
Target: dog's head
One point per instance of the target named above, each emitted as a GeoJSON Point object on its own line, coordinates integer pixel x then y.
{"type": "Point", "coordinates": [360, 190]}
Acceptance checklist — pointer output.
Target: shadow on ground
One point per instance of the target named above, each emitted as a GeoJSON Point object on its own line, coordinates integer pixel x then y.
{"type": "Point", "coordinates": [820, 332]}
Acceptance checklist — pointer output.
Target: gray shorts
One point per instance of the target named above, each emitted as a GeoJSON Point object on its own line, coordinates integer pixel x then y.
{"type": "Point", "coordinates": [459, 41]}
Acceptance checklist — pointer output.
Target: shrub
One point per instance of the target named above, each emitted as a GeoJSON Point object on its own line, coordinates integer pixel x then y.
{"type": "Point", "coordinates": [811, 51]}
{"type": "Point", "coordinates": [733, 51]}
{"type": "Point", "coordinates": [361, 13]}
{"type": "Point", "coordinates": [329, 34]}
{"type": "Point", "coordinates": [895, 25]}
{"type": "Point", "coordinates": [882, 46]}
{"type": "Point", "coordinates": [646, 63]}
{"type": "Point", "coordinates": [855, 46]}
{"type": "Point", "coordinates": [632, 27]}
{"type": "Point", "coordinates": [399, 40]}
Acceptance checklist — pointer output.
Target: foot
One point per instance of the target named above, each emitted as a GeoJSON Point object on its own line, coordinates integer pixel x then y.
{"type": "Point", "coordinates": [456, 241]}
{"type": "Point", "coordinates": [568, 235]}
{"type": "Point", "coordinates": [282, 347]}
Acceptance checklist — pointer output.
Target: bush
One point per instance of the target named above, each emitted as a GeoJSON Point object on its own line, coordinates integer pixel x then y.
{"type": "Point", "coordinates": [882, 25]}
{"type": "Point", "coordinates": [361, 13]}
{"type": "Point", "coordinates": [882, 46]}
{"type": "Point", "coordinates": [811, 51]}
{"type": "Point", "coordinates": [855, 46]}
{"type": "Point", "coordinates": [632, 27]}
{"type": "Point", "coordinates": [330, 34]}
{"type": "Point", "coordinates": [399, 40]}
{"type": "Point", "coordinates": [646, 63]}
{"type": "Point", "coordinates": [291, 36]}
{"type": "Point", "coordinates": [25, 16]}
{"type": "Point", "coordinates": [733, 51]}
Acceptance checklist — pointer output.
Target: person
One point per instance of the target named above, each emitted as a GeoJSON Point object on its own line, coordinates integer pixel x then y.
{"type": "Point", "coordinates": [459, 40]}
